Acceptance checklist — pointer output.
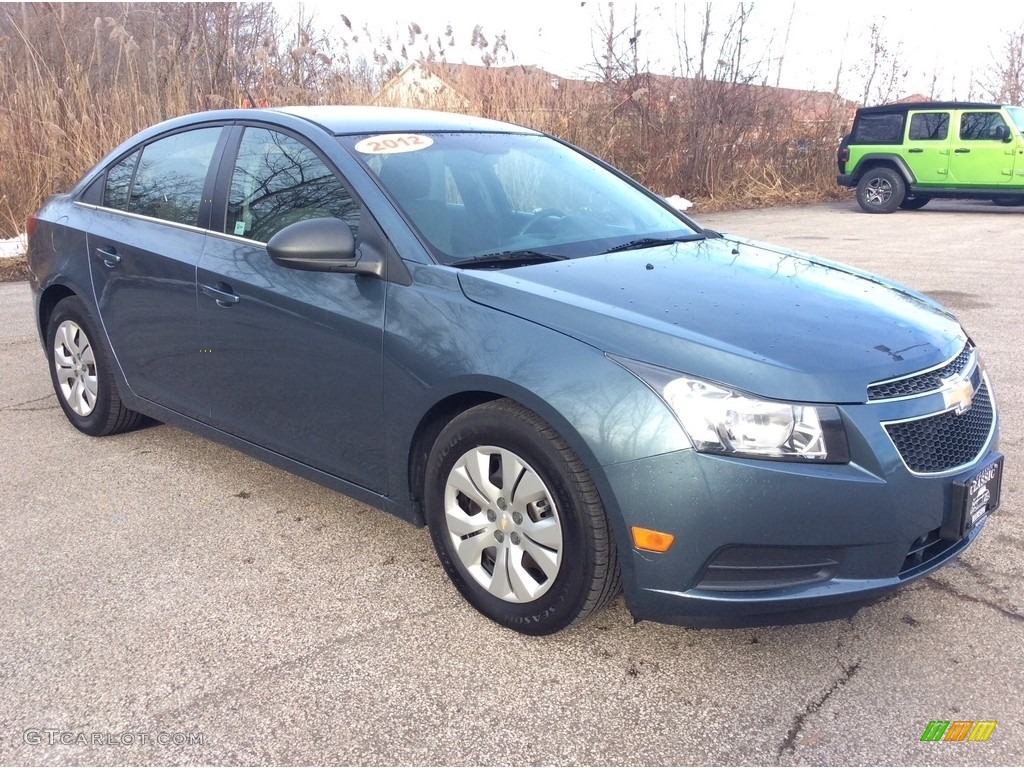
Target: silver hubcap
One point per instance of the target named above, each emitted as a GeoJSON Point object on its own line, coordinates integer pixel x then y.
{"type": "Point", "coordinates": [503, 524]}
{"type": "Point", "coordinates": [878, 191]}
{"type": "Point", "coordinates": [76, 367]}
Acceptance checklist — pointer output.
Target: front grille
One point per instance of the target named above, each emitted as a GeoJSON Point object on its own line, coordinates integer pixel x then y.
{"type": "Point", "coordinates": [922, 383]}
{"type": "Point", "coordinates": [947, 440]}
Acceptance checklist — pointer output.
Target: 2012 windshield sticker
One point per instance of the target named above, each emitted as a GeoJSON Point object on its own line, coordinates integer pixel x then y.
{"type": "Point", "coordinates": [393, 143]}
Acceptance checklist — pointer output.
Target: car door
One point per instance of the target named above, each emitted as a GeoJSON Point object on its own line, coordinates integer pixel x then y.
{"type": "Point", "coordinates": [981, 156]}
{"type": "Point", "coordinates": [293, 358]}
{"type": "Point", "coordinates": [928, 146]}
{"type": "Point", "coordinates": [144, 243]}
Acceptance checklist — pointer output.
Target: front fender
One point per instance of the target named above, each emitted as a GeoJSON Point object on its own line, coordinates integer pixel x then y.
{"type": "Point", "coordinates": [438, 344]}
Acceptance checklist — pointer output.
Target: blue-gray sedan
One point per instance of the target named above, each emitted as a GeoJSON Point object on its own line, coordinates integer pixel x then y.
{"type": "Point", "coordinates": [482, 329]}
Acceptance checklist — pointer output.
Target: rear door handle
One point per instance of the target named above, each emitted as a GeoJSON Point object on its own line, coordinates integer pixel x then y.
{"type": "Point", "coordinates": [109, 255]}
{"type": "Point", "coordinates": [915, 151]}
{"type": "Point", "coordinates": [221, 293]}
{"type": "Point", "coordinates": [961, 151]}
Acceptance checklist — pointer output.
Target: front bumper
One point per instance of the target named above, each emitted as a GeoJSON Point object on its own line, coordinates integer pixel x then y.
{"type": "Point", "coordinates": [763, 542]}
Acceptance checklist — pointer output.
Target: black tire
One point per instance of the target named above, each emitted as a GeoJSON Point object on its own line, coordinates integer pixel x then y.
{"type": "Point", "coordinates": [497, 538]}
{"type": "Point", "coordinates": [80, 370]}
{"type": "Point", "coordinates": [915, 203]}
{"type": "Point", "coordinates": [880, 190]}
{"type": "Point", "coordinates": [1009, 200]}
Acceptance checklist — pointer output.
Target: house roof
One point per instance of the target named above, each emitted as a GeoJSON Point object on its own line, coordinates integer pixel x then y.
{"type": "Point", "coordinates": [479, 84]}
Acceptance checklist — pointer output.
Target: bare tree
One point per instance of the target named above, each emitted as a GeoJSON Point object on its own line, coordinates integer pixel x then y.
{"type": "Point", "coordinates": [883, 68]}
{"type": "Point", "coordinates": [785, 44]}
{"type": "Point", "coordinates": [616, 49]}
{"type": "Point", "coordinates": [1006, 82]}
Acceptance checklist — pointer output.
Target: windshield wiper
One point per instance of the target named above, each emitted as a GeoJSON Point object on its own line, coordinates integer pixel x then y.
{"type": "Point", "coordinates": [650, 242]}
{"type": "Point", "coordinates": [507, 258]}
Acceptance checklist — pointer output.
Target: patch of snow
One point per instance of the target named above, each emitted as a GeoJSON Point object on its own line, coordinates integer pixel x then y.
{"type": "Point", "coordinates": [679, 203]}
{"type": "Point", "coordinates": [14, 247]}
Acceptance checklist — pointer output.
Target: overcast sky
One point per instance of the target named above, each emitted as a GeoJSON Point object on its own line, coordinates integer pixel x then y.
{"type": "Point", "coordinates": [954, 45]}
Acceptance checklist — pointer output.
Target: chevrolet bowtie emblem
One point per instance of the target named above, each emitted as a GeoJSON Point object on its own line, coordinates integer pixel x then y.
{"type": "Point", "coordinates": [958, 395]}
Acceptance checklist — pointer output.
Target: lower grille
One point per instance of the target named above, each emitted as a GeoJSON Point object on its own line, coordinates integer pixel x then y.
{"type": "Point", "coordinates": [945, 441]}
{"type": "Point", "coordinates": [736, 569]}
{"type": "Point", "coordinates": [927, 549]}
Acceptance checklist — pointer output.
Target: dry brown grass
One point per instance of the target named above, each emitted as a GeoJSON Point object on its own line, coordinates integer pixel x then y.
{"type": "Point", "coordinates": [718, 144]}
{"type": "Point", "coordinates": [77, 79]}
{"type": "Point", "coordinates": [13, 269]}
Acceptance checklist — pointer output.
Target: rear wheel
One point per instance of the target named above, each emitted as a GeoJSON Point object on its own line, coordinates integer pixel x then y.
{"type": "Point", "coordinates": [80, 370]}
{"type": "Point", "coordinates": [915, 203]}
{"type": "Point", "coordinates": [881, 190]}
{"type": "Point", "coordinates": [517, 522]}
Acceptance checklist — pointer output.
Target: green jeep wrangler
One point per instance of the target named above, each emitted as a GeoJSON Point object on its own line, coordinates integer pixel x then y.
{"type": "Point", "coordinates": [903, 155]}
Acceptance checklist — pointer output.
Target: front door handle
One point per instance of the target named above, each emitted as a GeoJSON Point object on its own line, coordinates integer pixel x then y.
{"type": "Point", "coordinates": [915, 151]}
{"type": "Point", "coordinates": [961, 151]}
{"type": "Point", "coordinates": [221, 293]}
{"type": "Point", "coordinates": [109, 255]}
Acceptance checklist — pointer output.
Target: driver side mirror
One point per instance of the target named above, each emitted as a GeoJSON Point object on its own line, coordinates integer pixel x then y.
{"type": "Point", "coordinates": [321, 245]}
{"type": "Point", "coordinates": [1001, 133]}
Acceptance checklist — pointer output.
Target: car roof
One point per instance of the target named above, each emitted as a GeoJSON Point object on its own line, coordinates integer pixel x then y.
{"type": "Point", "coordinates": [338, 120]}
{"type": "Point", "coordinates": [342, 120]}
{"type": "Point", "coordinates": [909, 105]}
{"type": "Point", "coordinates": [334, 120]}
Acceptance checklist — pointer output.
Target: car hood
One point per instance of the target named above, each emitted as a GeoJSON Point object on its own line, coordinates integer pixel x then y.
{"type": "Point", "coordinates": [770, 321]}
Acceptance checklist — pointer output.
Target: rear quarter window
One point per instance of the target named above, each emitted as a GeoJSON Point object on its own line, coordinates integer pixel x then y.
{"type": "Point", "coordinates": [119, 181]}
{"type": "Point", "coordinates": [878, 129]}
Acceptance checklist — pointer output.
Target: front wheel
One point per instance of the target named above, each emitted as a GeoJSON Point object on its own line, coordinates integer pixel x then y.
{"type": "Point", "coordinates": [81, 372]}
{"type": "Point", "coordinates": [517, 522]}
{"type": "Point", "coordinates": [880, 190]}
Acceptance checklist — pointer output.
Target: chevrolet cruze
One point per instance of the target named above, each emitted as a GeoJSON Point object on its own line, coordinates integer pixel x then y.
{"type": "Point", "coordinates": [484, 330]}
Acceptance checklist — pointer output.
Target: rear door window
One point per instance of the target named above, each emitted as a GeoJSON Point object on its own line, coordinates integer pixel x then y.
{"type": "Point", "coordinates": [171, 175]}
{"type": "Point", "coordinates": [929, 126]}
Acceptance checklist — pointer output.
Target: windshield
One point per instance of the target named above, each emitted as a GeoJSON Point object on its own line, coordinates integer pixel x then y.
{"type": "Point", "coordinates": [478, 195]}
{"type": "Point", "coordinates": [1017, 114]}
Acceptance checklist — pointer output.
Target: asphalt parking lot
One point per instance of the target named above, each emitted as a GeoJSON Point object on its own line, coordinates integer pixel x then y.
{"type": "Point", "coordinates": [166, 600]}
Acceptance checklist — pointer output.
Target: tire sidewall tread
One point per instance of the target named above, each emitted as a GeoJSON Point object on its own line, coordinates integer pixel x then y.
{"type": "Point", "coordinates": [895, 179]}
{"type": "Point", "coordinates": [110, 415]}
{"type": "Point", "coordinates": [589, 575]}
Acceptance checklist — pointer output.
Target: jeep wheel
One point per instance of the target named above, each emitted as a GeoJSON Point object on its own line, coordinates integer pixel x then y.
{"type": "Point", "coordinates": [915, 203]}
{"type": "Point", "coordinates": [880, 190]}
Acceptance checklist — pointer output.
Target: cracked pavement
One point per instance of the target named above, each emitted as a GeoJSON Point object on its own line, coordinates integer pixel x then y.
{"type": "Point", "coordinates": [156, 583]}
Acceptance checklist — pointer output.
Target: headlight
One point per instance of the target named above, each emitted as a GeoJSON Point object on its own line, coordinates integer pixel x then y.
{"type": "Point", "coordinates": [718, 419]}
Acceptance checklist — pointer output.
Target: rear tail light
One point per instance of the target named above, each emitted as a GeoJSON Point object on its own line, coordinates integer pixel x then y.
{"type": "Point", "coordinates": [30, 225]}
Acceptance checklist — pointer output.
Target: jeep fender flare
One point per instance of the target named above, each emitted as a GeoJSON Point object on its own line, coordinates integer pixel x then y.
{"type": "Point", "coordinates": [875, 160]}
